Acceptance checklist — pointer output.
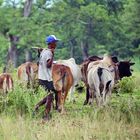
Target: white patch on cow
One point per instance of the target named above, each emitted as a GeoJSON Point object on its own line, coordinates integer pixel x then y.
{"type": "Point", "coordinates": [76, 73]}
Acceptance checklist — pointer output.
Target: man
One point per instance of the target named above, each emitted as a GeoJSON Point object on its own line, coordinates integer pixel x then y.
{"type": "Point", "coordinates": [45, 63]}
{"type": "Point", "coordinates": [45, 75]}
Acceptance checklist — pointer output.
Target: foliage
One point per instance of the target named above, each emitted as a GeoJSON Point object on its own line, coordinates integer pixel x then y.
{"type": "Point", "coordinates": [21, 100]}
{"type": "Point", "coordinates": [119, 119]}
{"type": "Point", "coordinates": [106, 26]}
{"type": "Point", "coordinates": [126, 85]}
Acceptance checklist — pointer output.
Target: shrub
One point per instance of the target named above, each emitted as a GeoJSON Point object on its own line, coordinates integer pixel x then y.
{"type": "Point", "coordinates": [126, 85]}
{"type": "Point", "coordinates": [21, 101]}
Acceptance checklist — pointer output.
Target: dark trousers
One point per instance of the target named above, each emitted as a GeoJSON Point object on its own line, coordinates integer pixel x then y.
{"type": "Point", "coordinates": [47, 85]}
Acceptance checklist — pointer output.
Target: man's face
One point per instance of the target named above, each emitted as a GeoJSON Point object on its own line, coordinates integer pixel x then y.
{"type": "Point", "coordinates": [53, 45]}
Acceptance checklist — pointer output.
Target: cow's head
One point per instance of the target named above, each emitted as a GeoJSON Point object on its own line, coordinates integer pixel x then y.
{"type": "Point", "coordinates": [124, 68]}
{"type": "Point", "coordinates": [115, 59]}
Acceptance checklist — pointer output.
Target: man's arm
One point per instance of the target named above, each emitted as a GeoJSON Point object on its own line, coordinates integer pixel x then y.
{"type": "Point", "coordinates": [49, 63]}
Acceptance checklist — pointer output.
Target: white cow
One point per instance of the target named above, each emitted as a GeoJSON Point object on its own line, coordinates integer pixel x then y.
{"type": "Point", "coordinates": [76, 72]}
{"type": "Point", "coordinates": [101, 79]}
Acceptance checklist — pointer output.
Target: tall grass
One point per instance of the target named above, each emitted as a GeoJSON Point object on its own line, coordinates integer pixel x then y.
{"type": "Point", "coordinates": [119, 120]}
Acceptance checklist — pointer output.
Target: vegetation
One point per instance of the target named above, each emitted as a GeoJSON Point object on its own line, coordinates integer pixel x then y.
{"type": "Point", "coordinates": [118, 120]}
{"type": "Point", "coordinates": [85, 28]}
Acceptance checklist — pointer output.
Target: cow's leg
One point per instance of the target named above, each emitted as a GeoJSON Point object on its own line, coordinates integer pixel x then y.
{"type": "Point", "coordinates": [59, 101]}
{"type": "Point", "coordinates": [108, 95]}
{"type": "Point", "coordinates": [107, 92]}
{"type": "Point", "coordinates": [87, 96]}
{"type": "Point", "coordinates": [98, 96]}
{"type": "Point", "coordinates": [63, 97]}
{"type": "Point", "coordinates": [56, 100]}
{"type": "Point", "coordinates": [90, 100]}
{"type": "Point", "coordinates": [71, 95]}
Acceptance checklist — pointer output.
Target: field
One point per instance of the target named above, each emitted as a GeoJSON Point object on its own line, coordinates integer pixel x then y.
{"type": "Point", "coordinates": [119, 120]}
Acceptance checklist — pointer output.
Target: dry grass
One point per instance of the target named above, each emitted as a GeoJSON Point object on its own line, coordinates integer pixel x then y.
{"type": "Point", "coordinates": [64, 128]}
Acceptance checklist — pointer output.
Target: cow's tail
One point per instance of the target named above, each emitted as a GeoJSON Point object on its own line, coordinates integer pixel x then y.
{"type": "Point", "coordinates": [29, 72]}
{"type": "Point", "coordinates": [107, 85]}
{"type": "Point", "coordinates": [9, 82]}
{"type": "Point", "coordinates": [63, 82]}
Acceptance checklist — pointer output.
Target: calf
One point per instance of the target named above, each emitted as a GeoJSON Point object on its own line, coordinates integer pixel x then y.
{"type": "Point", "coordinates": [62, 80]}
{"type": "Point", "coordinates": [6, 83]}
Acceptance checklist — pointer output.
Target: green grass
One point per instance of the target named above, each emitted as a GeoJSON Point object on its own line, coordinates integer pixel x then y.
{"type": "Point", "coordinates": [119, 120]}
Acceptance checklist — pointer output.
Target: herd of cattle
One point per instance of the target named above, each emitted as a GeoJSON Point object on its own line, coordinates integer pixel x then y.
{"type": "Point", "coordinates": [98, 74]}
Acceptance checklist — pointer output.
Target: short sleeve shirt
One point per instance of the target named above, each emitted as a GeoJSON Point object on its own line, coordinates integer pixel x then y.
{"type": "Point", "coordinates": [44, 73]}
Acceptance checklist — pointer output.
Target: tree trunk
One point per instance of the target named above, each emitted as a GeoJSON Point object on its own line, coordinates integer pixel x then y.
{"type": "Point", "coordinates": [72, 44]}
{"type": "Point", "coordinates": [27, 8]}
{"type": "Point", "coordinates": [12, 52]}
{"type": "Point", "coordinates": [28, 55]}
{"type": "Point", "coordinates": [26, 13]}
{"type": "Point", "coordinates": [84, 47]}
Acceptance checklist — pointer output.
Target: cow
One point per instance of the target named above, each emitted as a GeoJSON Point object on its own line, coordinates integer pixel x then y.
{"type": "Point", "coordinates": [100, 78]}
{"type": "Point", "coordinates": [122, 70]}
{"type": "Point", "coordinates": [76, 73]}
{"type": "Point", "coordinates": [6, 83]}
{"type": "Point", "coordinates": [63, 81]}
{"type": "Point", "coordinates": [27, 73]}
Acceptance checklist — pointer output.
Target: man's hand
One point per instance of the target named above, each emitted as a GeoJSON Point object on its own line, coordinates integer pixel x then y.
{"type": "Point", "coordinates": [49, 63]}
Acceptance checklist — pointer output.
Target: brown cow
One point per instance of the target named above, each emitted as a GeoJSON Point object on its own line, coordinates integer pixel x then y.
{"type": "Point", "coordinates": [27, 73]}
{"type": "Point", "coordinates": [6, 83]}
{"type": "Point", "coordinates": [63, 80]}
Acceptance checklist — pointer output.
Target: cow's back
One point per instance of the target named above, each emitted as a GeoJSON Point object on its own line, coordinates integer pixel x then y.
{"type": "Point", "coordinates": [6, 82]}
{"type": "Point", "coordinates": [61, 72]}
{"type": "Point", "coordinates": [27, 72]}
{"type": "Point", "coordinates": [75, 69]}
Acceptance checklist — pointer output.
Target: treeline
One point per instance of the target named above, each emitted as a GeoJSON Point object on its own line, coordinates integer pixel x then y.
{"type": "Point", "coordinates": [85, 27]}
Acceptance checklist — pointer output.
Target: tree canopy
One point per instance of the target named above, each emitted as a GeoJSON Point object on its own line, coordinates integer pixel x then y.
{"type": "Point", "coordinates": [85, 27]}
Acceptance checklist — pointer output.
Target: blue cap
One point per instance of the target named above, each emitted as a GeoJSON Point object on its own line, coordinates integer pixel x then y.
{"type": "Point", "coordinates": [51, 38]}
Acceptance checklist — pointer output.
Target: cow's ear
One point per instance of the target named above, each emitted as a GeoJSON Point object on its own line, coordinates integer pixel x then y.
{"type": "Point", "coordinates": [131, 63]}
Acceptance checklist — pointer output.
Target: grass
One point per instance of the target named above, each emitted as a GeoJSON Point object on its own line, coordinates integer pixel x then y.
{"type": "Point", "coordinates": [119, 120]}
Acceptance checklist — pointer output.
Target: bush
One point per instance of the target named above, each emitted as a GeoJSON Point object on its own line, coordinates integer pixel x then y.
{"type": "Point", "coordinates": [126, 85]}
{"type": "Point", "coordinates": [21, 101]}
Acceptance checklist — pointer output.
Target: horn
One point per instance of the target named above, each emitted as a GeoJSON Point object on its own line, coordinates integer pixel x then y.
{"type": "Point", "coordinates": [132, 63]}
